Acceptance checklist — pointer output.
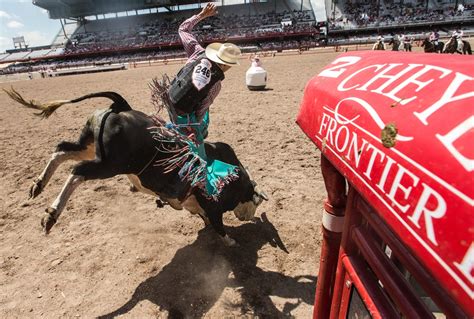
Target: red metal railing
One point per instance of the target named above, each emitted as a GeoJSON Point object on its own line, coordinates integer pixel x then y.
{"type": "Point", "coordinates": [363, 264]}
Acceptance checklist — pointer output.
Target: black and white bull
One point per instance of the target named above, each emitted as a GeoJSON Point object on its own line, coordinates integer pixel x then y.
{"type": "Point", "coordinates": [117, 141]}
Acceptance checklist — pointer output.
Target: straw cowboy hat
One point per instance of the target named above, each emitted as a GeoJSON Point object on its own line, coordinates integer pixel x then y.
{"type": "Point", "coordinates": [223, 53]}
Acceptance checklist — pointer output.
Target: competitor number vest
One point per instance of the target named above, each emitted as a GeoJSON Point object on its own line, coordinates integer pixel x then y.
{"type": "Point", "coordinates": [192, 84]}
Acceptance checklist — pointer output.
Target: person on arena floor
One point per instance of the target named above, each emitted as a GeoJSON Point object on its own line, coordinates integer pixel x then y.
{"type": "Point", "coordinates": [457, 36]}
{"type": "Point", "coordinates": [255, 60]}
{"type": "Point", "coordinates": [379, 44]}
{"type": "Point", "coordinates": [434, 37]}
{"type": "Point", "coordinates": [189, 95]}
{"type": "Point", "coordinates": [402, 39]}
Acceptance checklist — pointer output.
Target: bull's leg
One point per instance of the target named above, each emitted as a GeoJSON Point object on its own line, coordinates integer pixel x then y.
{"type": "Point", "coordinates": [52, 213]}
{"type": "Point", "coordinates": [137, 185]}
{"type": "Point", "coordinates": [64, 151]}
{"type": "Point", "coordinates": [218, 225]}
{"type": "Point", "coordinates": [83, 171]}
{"type": "Point", "coordinates": [205, 219]}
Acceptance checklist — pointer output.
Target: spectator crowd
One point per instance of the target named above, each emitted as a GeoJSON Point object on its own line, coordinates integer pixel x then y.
{"type": "Point", "coordinates": [376, 13]}
{"type": "Point", "coordinates": [162, 32]}
{"type": "Point", "coordinates": [155, 37]}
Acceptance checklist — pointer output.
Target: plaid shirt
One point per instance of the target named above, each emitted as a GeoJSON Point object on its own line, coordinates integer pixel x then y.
{"type": "Point", "coordinates": [193, 50]}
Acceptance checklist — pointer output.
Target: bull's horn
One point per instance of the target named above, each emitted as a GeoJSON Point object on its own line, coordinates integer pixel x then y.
{"type": "Point", "coordinates": [263, 195]}
{"type": "Point", "coordinates": [250, 176]}
{"type": "Point", "coordinates": [254, 183]}
{"type": "Point", "coordinates": [259, 193]}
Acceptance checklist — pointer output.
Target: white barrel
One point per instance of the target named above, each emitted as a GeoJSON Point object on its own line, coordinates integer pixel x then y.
{"type": "Point", "coordinates": [256, 78]}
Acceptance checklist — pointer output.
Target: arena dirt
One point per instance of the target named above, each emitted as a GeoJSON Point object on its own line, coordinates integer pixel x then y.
{"type": "Point", "coordinates": [114, 252]}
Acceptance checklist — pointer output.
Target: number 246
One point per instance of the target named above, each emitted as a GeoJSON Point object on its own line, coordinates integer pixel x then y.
{"type": "Point", "coordinates": [204, 70]}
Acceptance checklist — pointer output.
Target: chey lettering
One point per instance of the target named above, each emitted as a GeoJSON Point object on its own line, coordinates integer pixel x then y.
{"type": "Point", "coordinates": [402, 83]}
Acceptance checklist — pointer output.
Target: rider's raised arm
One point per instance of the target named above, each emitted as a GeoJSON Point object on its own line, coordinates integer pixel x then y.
{"type": "Point", "coordinates": [189, 41]}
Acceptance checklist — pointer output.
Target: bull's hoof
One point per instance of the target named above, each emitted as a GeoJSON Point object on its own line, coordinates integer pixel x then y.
{"type": "Point", "coordinates": [48, 220]}
{"type": "Point", "coordinates": [35, 189]}
{"type": "Point", "coordinates": [160, 203]}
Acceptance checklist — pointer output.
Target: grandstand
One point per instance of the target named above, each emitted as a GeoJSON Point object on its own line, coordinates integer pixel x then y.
{"type": "Point", "coordinates": [132, 30]}
{"type": "Point", "coordinates": [350, 17]}
{"type": "Point", "coordinates": [150, 26]}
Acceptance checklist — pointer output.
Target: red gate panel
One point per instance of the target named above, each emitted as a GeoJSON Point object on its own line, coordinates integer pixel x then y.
{"type": "Point", "coordinates": [400, 128]}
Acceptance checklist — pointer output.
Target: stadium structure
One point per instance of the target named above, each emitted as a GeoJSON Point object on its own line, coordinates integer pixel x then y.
{"type": "Point", "coordinates": [105, 32]}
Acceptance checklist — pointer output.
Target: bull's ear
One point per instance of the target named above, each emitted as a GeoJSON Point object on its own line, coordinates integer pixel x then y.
{"type": "Point", "coordinates": [259, 197]}
{"type": "Point", "coordinates": [256, 199]}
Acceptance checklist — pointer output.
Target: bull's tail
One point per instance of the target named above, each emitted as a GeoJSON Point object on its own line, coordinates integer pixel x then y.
{"type": "Point", "coordinates": [46, 109]}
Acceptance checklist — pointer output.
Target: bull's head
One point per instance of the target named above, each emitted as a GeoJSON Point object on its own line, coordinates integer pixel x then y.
{"type": "Point", "coordinates": [246, 210]}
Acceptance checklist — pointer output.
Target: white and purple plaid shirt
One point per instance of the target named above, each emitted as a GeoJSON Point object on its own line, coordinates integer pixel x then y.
{"type": "Point", "coordinates": [193, 50]}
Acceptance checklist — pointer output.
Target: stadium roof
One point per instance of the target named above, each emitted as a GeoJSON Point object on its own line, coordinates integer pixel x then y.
{"type": "Point", "coordinates": [63, 9]}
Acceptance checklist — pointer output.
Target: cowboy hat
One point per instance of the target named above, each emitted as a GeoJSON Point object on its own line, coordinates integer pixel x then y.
{"type": "Point", "coordinates": [223, 53]}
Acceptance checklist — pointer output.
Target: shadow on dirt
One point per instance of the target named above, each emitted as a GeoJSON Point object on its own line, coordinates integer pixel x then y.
{"type": "Point", "coordinates": [198, 274]}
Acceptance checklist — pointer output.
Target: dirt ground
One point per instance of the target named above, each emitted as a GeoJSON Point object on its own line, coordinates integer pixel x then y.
{"type": "Point", "coordinates": [114, 253]}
